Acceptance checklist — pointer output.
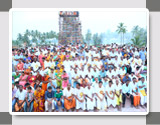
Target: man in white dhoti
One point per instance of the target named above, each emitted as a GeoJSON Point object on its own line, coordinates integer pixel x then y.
{"type": "Point", "coordinates": [89, 92]}
{"type": "Point", "coordinates": [142, 89]}
{"type": "Point", "coordinates": [101, 101]}
{"type": "Point", "coordinates": [110, 93]}
{"type": "Point", "coordinates": [80, 98]}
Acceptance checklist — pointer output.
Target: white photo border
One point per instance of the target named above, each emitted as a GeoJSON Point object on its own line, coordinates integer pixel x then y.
{"type": "Point", "coordinates": [75, 9]}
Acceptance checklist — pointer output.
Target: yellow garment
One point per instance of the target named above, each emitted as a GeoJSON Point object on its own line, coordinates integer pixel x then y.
{"type": "Point", "coordinates": [48, 58]}
{"type": "Point", "coordinates": [61, 70]}
{"type": "Point", "coordinates": [143, 92]}
{"type": "Point", "coordinates": [119, 99]}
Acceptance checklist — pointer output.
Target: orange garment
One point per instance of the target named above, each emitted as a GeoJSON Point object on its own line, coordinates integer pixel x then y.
{"type": "Point", "coordinates": [122, 76]}
{"type": "Point", "coordinates": [62, 57]}
{"type": "Point", "coordinates": [136, 99]}
{"type": "Point", "coordinates": [27, 71]}
{"type": "Point", "coordinates": [18, 108]}
{"type": "Point", "coordinates": [39, 95]}
{"type": "Point", "coordinates": [44, 85]}
{"type": "Point", "coordinates": [69, 104]}
{"type": "Point", "coordinates": [42, 64]}
{"type": "Point", "coordinates": [81, 80]}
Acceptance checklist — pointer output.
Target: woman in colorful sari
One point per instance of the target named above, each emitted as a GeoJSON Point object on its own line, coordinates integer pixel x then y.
{"type": "Point", "coordinates": [58, 75]}
{"type": "Point", "coordinates": [45, 81]}
{"type": "Point", "coordinates": [65, 79]}
{"type": "Point", "coordinates": [23, 79]}
{"type": "Point", "coordinates": [38, 104]}
{"type": "Point", "coordinates": [31, 79]}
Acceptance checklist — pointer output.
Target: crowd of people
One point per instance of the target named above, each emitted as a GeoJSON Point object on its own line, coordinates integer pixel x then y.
{"type": "Point", "coordinates": [78, 77]}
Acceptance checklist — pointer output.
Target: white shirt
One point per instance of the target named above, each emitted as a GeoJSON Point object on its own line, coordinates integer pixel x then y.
{"type": "Point", "coordinates": [110, 74]}
{"type": "Point", "coordinates": [46, 64]}
{"type": "Point", "coordinates": [51, 65]}
{"type": "Point", "coordinates": [35, 65]}
{"type": "Point", "coordinates": [68, 93]}
{"type": "Point", "coordinates": [100, 91]}
{"type": "Point", "coordinates": [122, 72]}
{"type": "Point", "coordinates": [41, 72]}
{"type": "Point", "coordinates": [75, 75]}
{"type": "Point", "coordinates": [115, 73]}
{"type": "Point", "coordinates": [118, 87]}
{"type": "Point", "coordinates": [89, 92]}
{"type": "Point", "coordinates": [21, 95]}
{"type": "Point", "coordinates": [141, 84]}
{"type": "Point", "coordinates": [139, 61]}
{"type": "Point", "coordinates": [134, 86]}
{"type": "Point", "coordinates": [126, 89]}
{"type": "Point", "coordinates": [95, 84]}
{"type": "Point", "coordinates": [109, 89]}
{"type": "Point", "coordinates": [80, 93]}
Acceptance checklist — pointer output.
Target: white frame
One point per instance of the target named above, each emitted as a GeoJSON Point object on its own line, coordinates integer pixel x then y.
{"type": "Point", "coordinates": [74, 9]}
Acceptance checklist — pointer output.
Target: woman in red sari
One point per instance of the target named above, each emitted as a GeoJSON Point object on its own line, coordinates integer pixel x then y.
{"type": "Point", "coordinates": [31, 79]}
{"type": "Point", "coordinates": [38, 104]}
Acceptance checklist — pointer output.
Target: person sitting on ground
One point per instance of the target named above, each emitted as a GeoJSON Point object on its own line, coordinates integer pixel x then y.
{"type": "Point", "coordinates": [20, 99]}
{"type": "Point", "coordinates": [136, 95]}
{"type": "Point", "coordinates": [58, 97]}
{"type": "Point", "coordinates": [69, 100]}
{"type": "Point", "coordinates": [14, 90]}
{"type": "Point", "coordinates": [126, 93]}
{"type": "Point", "coordinates": [29, 100]}
{"type": "Point", "coordinates": [49, 99]}
{"type": "Point", "coordinates": [142, 89]}
{"type": "Point", "coordinates": [80, 98]}
{"type": "Point", "coordinates": [101, 101]}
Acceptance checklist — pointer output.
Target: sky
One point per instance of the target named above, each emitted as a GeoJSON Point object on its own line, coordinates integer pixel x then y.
{"type": "Point", "coordinates": [97, 22]}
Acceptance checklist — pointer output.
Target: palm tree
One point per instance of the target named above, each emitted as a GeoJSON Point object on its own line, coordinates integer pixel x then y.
{"type": "Point", "coordinates": [121, 29]}
{"type": "Point", "coordinates": [135, 30]}
{"type": "Point", "coordinates": [88, 37]}
{"type": "Point", "coordinates": [20, 38]}
{"type": "Point", "coordinates": [95, 39]}
{"type": "Point", "coordinates": [137, 41]}
{"type": "Point", "coordinates": [123, 32]}
{"type": "Point", "coordinates": [27, 32]}
{"type": "Point", "coordinates": [26, 39]}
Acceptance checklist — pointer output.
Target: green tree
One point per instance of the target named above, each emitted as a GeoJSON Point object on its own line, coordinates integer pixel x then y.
{"type": "Point", "coordinates": [26, 39]}
{"type": "Point", "coordinates": [27, 32]}
{"type": "Point", "coordinates": [88, 37]}
{"type": "Point", "coordinates": [138, 31]}
{"type": "Point", "coordinates": [135, 30]}
{"type": "Point", "coordinates": [137, 41]}
{"type": "Point", "coordinates": [95, 39]}
{"type": "Point", "coordinates": [121, 29]}
{"type": "Point", "coordinates": [123, 33]}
